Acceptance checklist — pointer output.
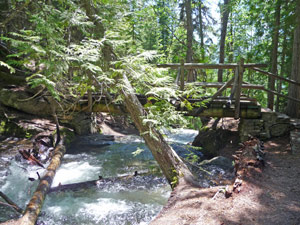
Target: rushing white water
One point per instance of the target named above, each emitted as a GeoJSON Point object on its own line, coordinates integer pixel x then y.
{"type": "Point", "coordinates": [182, 136]}
{"type": "Point", "coordinates": [134, 202]}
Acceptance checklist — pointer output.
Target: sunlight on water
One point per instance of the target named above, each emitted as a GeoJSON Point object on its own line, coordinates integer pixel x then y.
{"type": "Point", "coordinates": [102, 208]}
{"type": "Point", "coordinates": [182, 136]}
{"type": "Point", "coordinates": [72, 172]}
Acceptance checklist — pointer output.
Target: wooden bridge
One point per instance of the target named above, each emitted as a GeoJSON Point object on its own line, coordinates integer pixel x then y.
{"type": "Point", "coordinates": [235, 105]}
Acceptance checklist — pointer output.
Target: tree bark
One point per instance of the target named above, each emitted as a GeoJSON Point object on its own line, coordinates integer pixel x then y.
{"type": "Point", "coordinates": [294, 90]}
{"type": "Point", "coordinates": [282, 69]}
{"type": "Point", "coordinates": [224, 18]}
{"type": "Point", "coordinates": [170, 163]}
{"type": "Point", "coordinates": [189, 38]}
{"type": "Point", "coordinates": [271, 82]}
{"type": "Point", "coordinates": [201, 33]}
{"type": "Point", "coordinates": [35, 205]}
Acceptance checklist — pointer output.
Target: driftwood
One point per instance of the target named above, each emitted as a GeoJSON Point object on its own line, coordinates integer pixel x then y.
{"type": "Point", "coordinates": [10, 203]}
{"type": "Point", "coordinates": [27, 154]}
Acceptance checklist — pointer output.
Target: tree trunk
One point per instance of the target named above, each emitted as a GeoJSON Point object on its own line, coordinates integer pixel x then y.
{"type": "Point", "coordinates": [189, 33]}
{"type": "Point", "coordinates": [170, 163]}
{"type": "Point", "coordinates": [282, 69]}
{"type": "Point", "coordinates": [201, 33]}
{"type": "Point", "coordinates": [294, 90]}
{"type": "Point", "coordinates": [224, 18]}
{"type": "Point", "coordinates": [271, 82]}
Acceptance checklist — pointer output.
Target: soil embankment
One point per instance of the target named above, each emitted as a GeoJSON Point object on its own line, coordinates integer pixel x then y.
{"type": "Point", "coordinates": [268, 196]}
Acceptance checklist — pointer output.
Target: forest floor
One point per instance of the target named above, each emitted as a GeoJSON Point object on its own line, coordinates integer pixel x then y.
{"type": "Point", "coordinates": [268, 196]}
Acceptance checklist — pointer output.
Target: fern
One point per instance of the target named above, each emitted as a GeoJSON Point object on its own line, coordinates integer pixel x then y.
{"type": "Point", "coordinates": [11, 69]}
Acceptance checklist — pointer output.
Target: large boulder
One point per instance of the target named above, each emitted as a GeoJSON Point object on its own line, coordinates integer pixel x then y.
{"type": "Point", "coordinates": [84, 123]}
{"type": "Point", "coordinates": [190, 153]}
{"type": "Point", "coordinates": [211, 141]}
{"type": "Point", "coordinates": [219, 161]}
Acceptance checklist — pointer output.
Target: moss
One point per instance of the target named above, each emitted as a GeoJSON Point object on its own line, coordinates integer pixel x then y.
{"type": "Point", "coordinates": [2, 127]}
{"type": "Point", "coordinates": [10, 128]}
{"type": "Point", "coordinates": [175, 178]}
{"type": "Point", "coordinates": [68, 135]}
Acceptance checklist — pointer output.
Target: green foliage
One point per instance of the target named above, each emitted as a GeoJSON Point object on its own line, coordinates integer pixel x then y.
{"type": "Point", "coordinates": [175, 179]}
{"type": "Point", "coordinates": [11, 69]}
{"type": "Point", "coordinates": [64, 48]}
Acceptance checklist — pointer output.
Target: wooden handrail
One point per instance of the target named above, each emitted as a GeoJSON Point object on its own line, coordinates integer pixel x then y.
{"type": "Point", "coordinates": [281, 95]}
{"type": "Point", "coordinates": [209, 66]}
{"type": "Point", "coordinates": [220, 84]}
{"type": "Point", "coordinates": [275, 76]}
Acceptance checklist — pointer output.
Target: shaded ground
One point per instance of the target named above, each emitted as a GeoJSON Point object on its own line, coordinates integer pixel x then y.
{"type": "Point", "coordinates": [117, 126]}
{"type": "Point", "coordinates": [268, 196]}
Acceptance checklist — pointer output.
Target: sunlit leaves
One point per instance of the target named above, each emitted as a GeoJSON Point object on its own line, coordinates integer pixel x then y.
{"type": "Point", "coordinates": [11, 69]}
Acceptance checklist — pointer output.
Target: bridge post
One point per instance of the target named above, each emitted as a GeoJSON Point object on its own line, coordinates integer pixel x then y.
{"type": "Point", "coordinates": [182, 75]}
{"type": "Point", "coordinates": [90, 101]}
{"type": "Point", "coordinates": [239, 78]}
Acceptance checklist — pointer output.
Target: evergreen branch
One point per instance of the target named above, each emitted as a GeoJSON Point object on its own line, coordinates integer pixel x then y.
{"type": "Point", "coordinates": [15, 13]}
{"type": "Point", "coordinates": [177, 38]}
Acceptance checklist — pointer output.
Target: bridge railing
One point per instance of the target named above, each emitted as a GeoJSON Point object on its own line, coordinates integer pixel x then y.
{"type": "Point", "coordinates": [236, 83]}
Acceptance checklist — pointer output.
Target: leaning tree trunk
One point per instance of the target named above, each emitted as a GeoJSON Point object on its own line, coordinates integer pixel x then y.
{"type": "Point", "coordinates": [294, 90]}
{"type": "Point", "coordinates": [224, 16]}
{"type": "Point", "coordinates": [170, 163]}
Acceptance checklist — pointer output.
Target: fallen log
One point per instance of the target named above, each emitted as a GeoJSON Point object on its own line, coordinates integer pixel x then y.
{"type": "Point", "coordinates": [34, 206]}
{"type": "Point", "coordinates": [99, 183]}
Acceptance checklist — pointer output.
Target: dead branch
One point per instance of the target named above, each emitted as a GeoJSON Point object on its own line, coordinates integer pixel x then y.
{"type": "Point", "coordinates": [10, 203]}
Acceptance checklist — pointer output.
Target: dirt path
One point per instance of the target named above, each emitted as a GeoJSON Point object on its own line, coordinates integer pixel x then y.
{"type": "Point", "coordinates": [269, 196]}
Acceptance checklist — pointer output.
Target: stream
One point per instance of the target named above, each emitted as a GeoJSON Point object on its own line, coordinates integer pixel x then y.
{"type": "Point", "coordinates": [88, 157]}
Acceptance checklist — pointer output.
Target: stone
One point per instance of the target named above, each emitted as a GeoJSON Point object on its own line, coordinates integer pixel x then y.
{"type": "Point", "coordinates": [190, 153]}
{"type": "Point", "coordinates": [219, 161]}
{"type": "Point", "coordinates": [211, 141]}
{"type": "Point", "coordinates": [295, 141]}
{"type": "Point", "coordinates": [84, 123]}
